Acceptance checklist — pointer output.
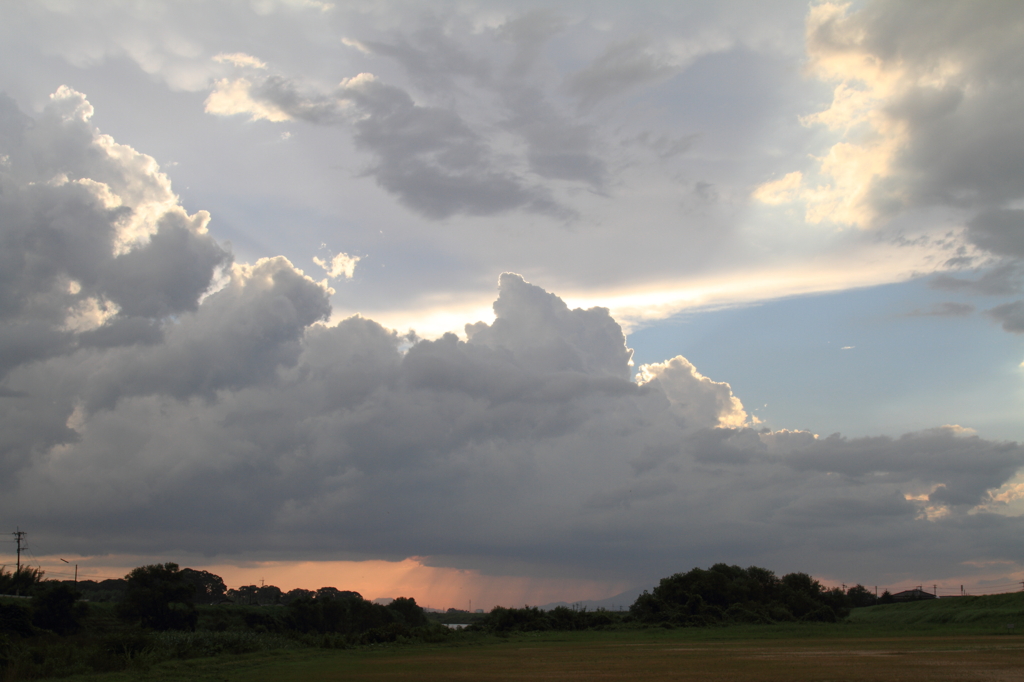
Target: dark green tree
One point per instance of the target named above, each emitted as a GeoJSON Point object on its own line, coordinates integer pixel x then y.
{"type": "Point", "coordinates": [726, 593]}
{"type": "Point", "coordinates": [55, 607]}
{"type": "Point", "coordinates": [209, 588]}
{"type": "Point", "coordinates": [19, 581]}
{"type": "Point", "coordinates": [408, 611]}
{"type": "Point", "coordinates": [296, 594]}
{"type": "Point", "coordinates": [158, 597]}
{"type": "Point", "coordinates": [860, 596]}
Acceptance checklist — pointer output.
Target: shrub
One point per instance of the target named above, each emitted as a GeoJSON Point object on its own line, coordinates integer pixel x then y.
{"type": "Point", "coordinates": [55, 607]}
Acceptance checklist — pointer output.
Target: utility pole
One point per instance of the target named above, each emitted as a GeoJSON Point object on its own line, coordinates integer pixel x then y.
{"type": "Point", "coordinates": [19, 536]}
{"type": "Point", "coordinates": [76, 569]}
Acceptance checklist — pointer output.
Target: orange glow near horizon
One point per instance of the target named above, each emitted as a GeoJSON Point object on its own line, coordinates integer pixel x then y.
{"type": "Point", "coordinates": [430, 586]}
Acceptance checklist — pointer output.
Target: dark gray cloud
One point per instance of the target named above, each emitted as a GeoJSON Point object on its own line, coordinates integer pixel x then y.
{"type": "Point", "coordinates": [665, 146]}
{"type": "Point", "coordinates": [557, 147]}
{"type": "Point", "coordinates": [427, 156]}
{"type": "Point", "coordinates": [231, 420]}
{"type": "Point", "coordinates": [1001, 280]}
{"type": "Point", "coordinates": [432, 59]}
{"type": "Point", "coordinates": [1010, 316]}
{"type": "Point", "coordinates": [434, 162]}
{"type": "Point", "coordinates": [621, 67]}
{"type": "Point", "coordinates": [529, 33]}
{"type": "Point", "coordinates": [999, 231]}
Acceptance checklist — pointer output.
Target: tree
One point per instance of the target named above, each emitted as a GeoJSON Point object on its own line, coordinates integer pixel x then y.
{"type": "Point", "coordinates": [296, 594]}
{"type": "Point", "coordinates": [860, 596]}
{"type": "Point", "coordinates": [55, 607]}
{"type": "Point", "coordinates": [726, 593]}
{"type": "Point", "coordinates": [409, 611]}
{"type": "Point", "coordinates": [19, 581]}
{"type": "Point", "coordinates": [269, 594]}
{"type": "Point", "coordinates": [209, 588]}
{"type": "Point", "coordinates": [159, 597]}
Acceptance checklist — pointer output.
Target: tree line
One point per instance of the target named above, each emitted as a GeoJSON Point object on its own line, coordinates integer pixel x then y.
{"type": "Point", "coordinates": [161, 611]}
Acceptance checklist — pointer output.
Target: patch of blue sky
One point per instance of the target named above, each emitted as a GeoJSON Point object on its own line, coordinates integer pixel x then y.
{"type": "Point", "coordinates": [860, 362]}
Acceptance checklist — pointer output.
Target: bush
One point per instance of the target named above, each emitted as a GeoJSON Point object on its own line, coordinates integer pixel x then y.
{"type": "Point", "coordinates": [55, 607]}
{"type": "Point", "coordinates": [15, 619]}
{"type": "Point", "coordinates": [20, 581]}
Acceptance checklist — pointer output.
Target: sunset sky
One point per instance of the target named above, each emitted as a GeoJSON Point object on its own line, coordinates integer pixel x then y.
{"type": "Point", "coordinates": [513, 302]}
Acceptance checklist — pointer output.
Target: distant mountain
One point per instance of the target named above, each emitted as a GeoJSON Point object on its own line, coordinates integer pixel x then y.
{"type": "Point", "coordinates": [621, 601]}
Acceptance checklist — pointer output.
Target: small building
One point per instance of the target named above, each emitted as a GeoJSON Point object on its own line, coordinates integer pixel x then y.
{"type": "Point", "coordinates": [915, 594]}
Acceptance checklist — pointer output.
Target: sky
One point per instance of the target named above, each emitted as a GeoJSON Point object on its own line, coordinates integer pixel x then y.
{"type": "Point", "coordinates": [514, 302]}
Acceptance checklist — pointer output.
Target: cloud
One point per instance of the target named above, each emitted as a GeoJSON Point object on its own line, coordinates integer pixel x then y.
{"type": "Point", "coordinates": [529, 32]}
{"type": "Point", "coordinates": [926, 107]}
{"type": "Point", "coordinates": [428, 157]}
{"type": "Point", "coordinates": [431, 58]}
{"type": "Point", "coordinates": [622, 66]}
{"type": "Point", "coordinates": [557, 147]}
{"type": "Point", "coordinates": [175, 414]}
{"type": "Point", "coordinates": [945, 309]}
{"type": "Point", "coordinates": [998, 281]}
{"type": "Point", "coordinates": [1010, 315]}
{"type": "Point", "coordinates": [698, 400]}
{"type": "Point", "coordinates": [341, 265]}
{"type": "Point", "coordinates": [92, 237]}
{"type": "Point", "coordinates": [999, 231]}
{"type": "Point", "coordinates": [231, 97]}
{"type": "Point", "coordinates": [240, 59]}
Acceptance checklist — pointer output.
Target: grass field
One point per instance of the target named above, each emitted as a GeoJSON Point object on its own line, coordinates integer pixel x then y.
{"type": "Point", "coordinates": [950, 639]}
{"type": "Point", "coordinates": [811, 652]}
{"type": "Point", "coordinates": [649, 656]}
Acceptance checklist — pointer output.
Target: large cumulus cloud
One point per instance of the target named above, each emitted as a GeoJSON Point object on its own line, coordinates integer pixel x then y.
{"type": "Point", "coordinates": [165, 399]}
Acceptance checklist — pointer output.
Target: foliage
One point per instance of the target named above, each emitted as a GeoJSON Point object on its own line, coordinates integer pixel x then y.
{"type": "Point", "coordinates": [207, 587]}
{"type": "Point", "coordinates": [297, 593]}
{"type": "Point", "coordinates": [111, 590]}
{"type": "Point", "coordinates": [159, 597]}
{"type": "Point", "coordinates": [15, 619]}
{"type": "Point", "coordinates": [55, 607]}
{"type": "Point", "coordinates": [860, 597]}
{"type": "Point", "coordinates": [730, 594]}
{"type": "Point", "coordinates": [19, 581]}
{"type": "Point", "coordinates": [408, 612]}
{"type": "Point", "coordinates": [532, 619]}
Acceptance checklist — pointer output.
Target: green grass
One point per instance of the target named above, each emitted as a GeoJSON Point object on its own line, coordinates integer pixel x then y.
{"type": "Point", "coordinates": [989, 613]}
